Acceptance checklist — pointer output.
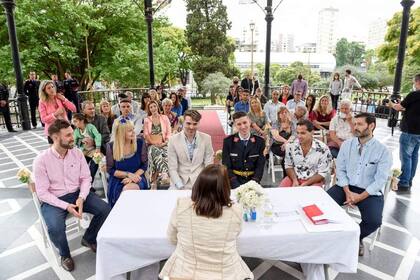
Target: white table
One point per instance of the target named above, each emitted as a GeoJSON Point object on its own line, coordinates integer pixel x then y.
{"type": "Point", "coordinates": [134, 234]}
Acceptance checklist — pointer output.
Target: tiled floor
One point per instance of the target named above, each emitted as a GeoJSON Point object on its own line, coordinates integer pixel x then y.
{"type": "Point", "coordinates": [23, 256]}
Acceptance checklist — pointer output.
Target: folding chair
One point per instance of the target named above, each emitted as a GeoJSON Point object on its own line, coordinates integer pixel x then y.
{"type": "Point", "coordinates": [321, 135]}
{"type": "Point", "coordinates": [273, 168]}
{"type": "Point", "coordinates": [104, 179]}
{"type": "Point", "coordinates": [72, 224]}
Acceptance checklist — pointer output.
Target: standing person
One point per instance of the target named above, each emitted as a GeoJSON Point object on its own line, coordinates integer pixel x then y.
{"type": "Point", "coordinates": [259, 94]}
{"type": "Point", "coordinates": [301, 85]}
{"type": "Point", "coordinates": [52, 105]}
{"type": "Point", "coordinates": [126, 161]}
{"type": "Point", "coordinates": [31, 89]}
{"type": "Point", "coordinates": [58, 84]}
{"type": "Point", "coordinates": [285, 94]}
{"type": "Point", "coordinates": [335, 88]}
{"type": "Point", "coordinates": [296, 101]}
{"type": "Point", "coordinates": [349, 82]}
{"type": "Point", "coordinates": [63, 163]}
{"type": "Point", "coordinates": [247, 83]}
{"type": "Point", "coordinates": [308, 160]}
{"type": "Point", "coordinates": [410, 135]}
{"type": "Point", "coordinates": [243, 153]}
{"type": "Point", "coordinates": [362, 167]}
{"type": "Point", "coordinates": [310, 104]}
{"type": "Point", "coordinates": [4, 107]}
{"type": "Point", "coordinates": [189, 152]}
{"type": "Point", "coordinates": [272, 107]}
{"type": "Point", "coordinates": [71, 87]}
{"type": "Point", "coordinates": [212, 218]}
{"type": "Point", "coordinates": [243, 105]}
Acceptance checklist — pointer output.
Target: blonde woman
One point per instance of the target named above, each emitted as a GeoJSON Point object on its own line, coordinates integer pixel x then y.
{"type": "Point", "coordinates": [324, 113]}
{"type": "Point", "coordinates": [52, 105]}
{"type": "Point", "coordinates": [259, 121]}
{"type": "Point", "coordinates": [173, 119]}
{"type": "Point", "coordinates": [281, 133]}
{"type": "Point", "coordinates": [105, 109]}
{"type": "Point", "coordinates": [157, 130]}
{"type": "Point", "coordinates": [126, 161]}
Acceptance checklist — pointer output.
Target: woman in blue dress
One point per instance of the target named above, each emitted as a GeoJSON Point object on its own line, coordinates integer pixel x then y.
{"type": "Point", "coordinates": [177, 107]}
{"type": "Point", "coordinates": [126, 160]}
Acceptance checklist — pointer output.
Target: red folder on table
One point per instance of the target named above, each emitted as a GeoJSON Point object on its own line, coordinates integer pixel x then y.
{"type": "Point", "coordinates": [315, 214]}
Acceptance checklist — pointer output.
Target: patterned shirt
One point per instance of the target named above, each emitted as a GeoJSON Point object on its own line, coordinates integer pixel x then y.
{"type": "Point", "coordinates": [317, 160]}
{"type": "Point", "coordinates": [341, 127]}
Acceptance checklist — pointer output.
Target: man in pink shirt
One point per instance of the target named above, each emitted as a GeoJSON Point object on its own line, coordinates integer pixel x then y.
{"type": "Point", "coordinates": [62, 182]}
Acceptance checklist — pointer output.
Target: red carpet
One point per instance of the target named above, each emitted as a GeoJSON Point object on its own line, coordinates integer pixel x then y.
{"type": "Point", "coordinates": [210, 124]}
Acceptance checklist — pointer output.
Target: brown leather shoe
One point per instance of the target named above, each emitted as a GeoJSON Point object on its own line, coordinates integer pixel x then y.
{"type": "Point", "coordinates": [92, 246]}
{"type": "Point", "coordinates": [67, 263]}
{"type": "Point", "coordinates": [361, 249]}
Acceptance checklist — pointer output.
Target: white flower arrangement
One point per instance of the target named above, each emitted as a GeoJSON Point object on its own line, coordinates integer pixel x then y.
{"type": "Point", "coordinates": [24, 175]}
{"type": "Point", "coordinates": [250, 195]}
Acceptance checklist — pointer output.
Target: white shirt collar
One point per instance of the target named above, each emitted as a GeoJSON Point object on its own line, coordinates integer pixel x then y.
{"type": "Point", "coordinates": [246, 138]}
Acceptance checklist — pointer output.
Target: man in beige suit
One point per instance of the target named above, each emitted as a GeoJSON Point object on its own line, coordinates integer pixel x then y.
{"type": "Point", "coordinates": [188, 152]}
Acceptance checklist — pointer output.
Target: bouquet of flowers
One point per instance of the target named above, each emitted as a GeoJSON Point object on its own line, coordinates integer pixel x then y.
{"type": "Point", "coordinates": [97, 157]}
{"type": "Point", "coordinates": [251, 195]}
{"type": "Point", "coordinates": [24, 175]}
{"type": "Point", "coordinates": [396, 172]}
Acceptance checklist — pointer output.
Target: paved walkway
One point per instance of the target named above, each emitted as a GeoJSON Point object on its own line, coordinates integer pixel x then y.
{"type": "Point", "coordinates": [23, 256]}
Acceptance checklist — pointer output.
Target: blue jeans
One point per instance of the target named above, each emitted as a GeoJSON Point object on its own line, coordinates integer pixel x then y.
{"type": "Point", "coordinates": [409, 156]}
{"type": "Point", "coordinates": [55, 219]}
{"type": "Point", "coordinates": [370, 208]}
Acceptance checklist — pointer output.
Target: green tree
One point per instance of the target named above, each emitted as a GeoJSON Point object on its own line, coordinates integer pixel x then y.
{"type": "Point", "coordinates": [217, 84]}
{"type": "Point", "coordinates": [351, 53]}
{"type": "Point", "coordinates": [207, 23]}
{"type": "Point", "coordinates": [59, 35]}
{"type": "Point", "coordinates": [388, 51]}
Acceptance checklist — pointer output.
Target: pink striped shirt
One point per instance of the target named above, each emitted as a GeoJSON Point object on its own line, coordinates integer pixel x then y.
{"type": "Point", "coordinates": [56, 176]}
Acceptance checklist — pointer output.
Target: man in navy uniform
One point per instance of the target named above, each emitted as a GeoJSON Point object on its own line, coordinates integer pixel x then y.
{"type": "Point", "coordinates": [30, 88]}
{"type": "Point", "coordinates": [243, 153]}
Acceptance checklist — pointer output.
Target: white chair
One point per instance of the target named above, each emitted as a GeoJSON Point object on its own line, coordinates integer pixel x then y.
{"type": "Point", "coordinates": [72, 224]}
{"type": "Point", "coordinates": [321, 135]}
{"type": "Point", "coordinates": [272, 167]}
{"type": "Point", "coordinates": [387, 188]}
{"type": "Point", "coordinates": [104, 179]}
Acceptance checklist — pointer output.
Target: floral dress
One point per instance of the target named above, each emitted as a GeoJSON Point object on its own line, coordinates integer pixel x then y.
{"type": "Point", "coordinates": [158, 156]}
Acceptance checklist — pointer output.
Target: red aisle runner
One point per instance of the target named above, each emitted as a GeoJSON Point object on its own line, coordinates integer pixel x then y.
{"type": "Point", "coordinates": [210, 124]}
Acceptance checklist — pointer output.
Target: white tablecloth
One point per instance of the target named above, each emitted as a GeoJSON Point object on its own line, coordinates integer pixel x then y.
{"type": "Point", "coordinates": [134, 234]}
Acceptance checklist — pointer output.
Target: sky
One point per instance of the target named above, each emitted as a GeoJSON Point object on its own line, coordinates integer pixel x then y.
{"type": "Point", "coordinates": [298, 17]}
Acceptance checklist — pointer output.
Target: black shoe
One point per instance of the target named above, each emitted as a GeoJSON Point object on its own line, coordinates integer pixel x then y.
{"type": "Point", "coordinates": [92, 246]}
{"type": "Point", "coordinates": [403, 189]}
{"type": "Point", "coordinates": [67, 263]}
{"type": "Point", "coordinates": [361, 249]}
{"type": "Point", "coordinates": [12, 130]}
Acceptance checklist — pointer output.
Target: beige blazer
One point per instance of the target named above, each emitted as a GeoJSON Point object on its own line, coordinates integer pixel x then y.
{"type": "Point", "coordinates": [182, 170]}
{"type": "Point", "coordinates": [206, 247]}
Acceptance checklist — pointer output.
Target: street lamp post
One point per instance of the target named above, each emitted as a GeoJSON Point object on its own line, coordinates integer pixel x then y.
{"type": "Point", "coordinates": [269, 18]}
{"type": "Point", "coordinates": [393, 115]}
{"type": "Point", "coordinates": [148, 13]}
{"type": "Point", "coordinates": [9, 6]}
{"type": "Point", "coordinates": [252, 27]}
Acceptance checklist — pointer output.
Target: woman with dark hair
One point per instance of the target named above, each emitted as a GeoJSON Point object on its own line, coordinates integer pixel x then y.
{"type": "Point", "coordinates": [145, 98]}
{"type": "Point", "coordinates": [310, 104]}
{"type": "Point", "coordinates": [215, 223]}
{"type": "Point", "coordinates": [336, 86]}
{"type": "Point", "coordinates": [177, 107]}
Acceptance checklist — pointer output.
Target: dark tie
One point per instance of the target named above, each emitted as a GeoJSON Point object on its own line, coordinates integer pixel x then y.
{"type": "Point", "coordinates": [245, 142]}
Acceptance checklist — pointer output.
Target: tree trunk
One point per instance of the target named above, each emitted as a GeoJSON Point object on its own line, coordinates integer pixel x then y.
{"type": "Point", "coordinates": [213, 98]}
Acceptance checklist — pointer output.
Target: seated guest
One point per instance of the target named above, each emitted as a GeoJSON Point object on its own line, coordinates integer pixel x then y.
{"type": "Point", "coordinates": [105, 111]}
{"type": "Point", "coordinates": [281, 134]}
{"type": "Point", "coordinates": [231, 98]}
{"type": "Point", "coordinates": [243, 153]}
{"type": "Point", "coordinates": [52, 105]}
{"type": "Point", "coordinates": [145, 98]}
{"type": "Point", "coordinates": [341, 127]}
{"type": "Point", "coordinates": [259, 121]}
{"type": "Point", "coordinates": [157, 131]}
{"type": "Point", "coordinates": [259, 94]}
{"type": "Point", "coordinates": [100, 122]}
{"type": "Point", "coordinates": [173, 119]}
{"type": "Point", "coordinates": [176, 105]}
{"type": "Point", "coordinates": [272, 107]}
{"type": "Point", "coordinates": [126, 113]}
{"type": "Point", "coordinates": [285, 94]}
{"type": "Point", "coordinates": [310, 104]}
{"type": "Point", "coordinates": [215, 223]}
{"type": "Point", "coordinates": [188, 152]}
{"type": "Point", "coordinates": [184, 99]}
{"type": "Point", "coordinates": [324, 113]}
{"type": "Point", "coordinates": [126, 161]}
{"type": "Point", "coordinates": [243, 104]}
{"type": "Point", "coordinates": [58, 164]}
{"type": "Point", "coordinates": [84, 134]}
{"type": "Point", "coordinates": [308, 160]}
{"type": "Point", "coordinates": [296, 101]}
{"type": "Point", "coordinates": [363, 166]}
{"type": "Point", "coordinates": [160, 92]}
{"type": "Point", "coordinates": [297, 116]}
{"type": "Point", "coordinates": [128, 95]}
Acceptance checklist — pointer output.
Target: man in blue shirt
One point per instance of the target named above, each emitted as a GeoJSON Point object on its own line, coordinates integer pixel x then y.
{"type": "Point", "coordinates": [363, 166]}
{"type": "Point", "coordinates": [243, 105]}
